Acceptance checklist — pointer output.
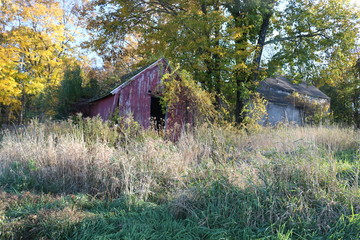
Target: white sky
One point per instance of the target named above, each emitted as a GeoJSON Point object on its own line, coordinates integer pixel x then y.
{"type": "Point", "coordinates": [356, 2]}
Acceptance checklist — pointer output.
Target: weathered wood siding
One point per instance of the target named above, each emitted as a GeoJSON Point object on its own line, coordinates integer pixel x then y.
{"type": "Point", "coordinates": [103, 107]}
{"type": "Point", "coordinates": [135, 97]}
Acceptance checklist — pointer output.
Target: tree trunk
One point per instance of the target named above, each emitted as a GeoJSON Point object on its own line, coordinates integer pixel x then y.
{"type": "Point", "coordinates": [22, 110]}
{"type": "Point", "coordinates": [356, 103]}
{"type": "Point", "coordinates": [260, 44]}
{"type": "Point", "coordinates": [238, 10]}
{"type": "Point", "coordinates": [240, 80]}
{"type": "Point", "coordinates": [239, 101]}
{"type": "Point", "coordinates": [217, 67]}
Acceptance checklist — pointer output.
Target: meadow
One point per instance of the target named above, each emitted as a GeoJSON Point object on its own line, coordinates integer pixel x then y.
{"type": "Point", "coordinates": [89, 179]}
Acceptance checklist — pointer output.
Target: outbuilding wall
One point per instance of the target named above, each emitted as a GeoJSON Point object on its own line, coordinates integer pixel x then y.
{"type": "Point", "coordinates": [277, 113]}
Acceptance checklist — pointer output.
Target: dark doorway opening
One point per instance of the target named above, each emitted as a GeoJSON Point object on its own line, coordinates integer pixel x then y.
{"type": "Point", "coordinates": [156, 114]}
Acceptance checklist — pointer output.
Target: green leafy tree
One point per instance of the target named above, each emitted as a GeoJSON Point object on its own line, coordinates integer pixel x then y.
{"type": "Point", "coordinates": [345, 95]}
{"type": "Point", "coordinates": [316, 39]}
{"type": "Point", "coordinates": [70, 92]}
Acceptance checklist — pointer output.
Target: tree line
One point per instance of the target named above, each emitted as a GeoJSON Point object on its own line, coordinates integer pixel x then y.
{"type": "Point", "coordinates": [227, 45]}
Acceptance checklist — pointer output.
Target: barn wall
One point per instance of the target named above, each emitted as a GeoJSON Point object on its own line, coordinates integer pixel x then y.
{"type": "Point", "coordinates": [177, 117]}
{"type": "Point", "coordinates": [102, 107]}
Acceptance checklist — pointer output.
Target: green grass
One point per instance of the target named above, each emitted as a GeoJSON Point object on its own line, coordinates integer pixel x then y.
{"type": "Point", "coordinates": [69, 180]}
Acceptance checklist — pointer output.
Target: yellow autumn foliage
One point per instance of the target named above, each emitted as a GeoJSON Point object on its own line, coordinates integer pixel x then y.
{"type": "Point", "coordinates": [32, 44]}
{"type": "Point", "coordinates": [180, 88]}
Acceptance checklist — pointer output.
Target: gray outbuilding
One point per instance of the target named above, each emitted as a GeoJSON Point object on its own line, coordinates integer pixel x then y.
{"type": "Point", "coordinates": [291, 103]}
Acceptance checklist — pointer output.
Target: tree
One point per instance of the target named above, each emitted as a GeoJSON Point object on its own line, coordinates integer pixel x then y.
{"type": "Point", "coordinates": [186, 32]}
{"type": "Point", "coordinates": [70, 91]}
{"type": "Point", "coordinates": [220, 42]}
{"type": "Point", "coordinates": [34, 47]}
{"type": "Point", "coordinates": [345, 95]}
{"type": "Point", "coordinates": [317, 38]}
{"type": "Point", "coordinates": [251, 20]}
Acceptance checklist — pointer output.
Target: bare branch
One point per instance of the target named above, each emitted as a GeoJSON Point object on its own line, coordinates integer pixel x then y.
{"type": "Point", "coordinates": [309, 35]}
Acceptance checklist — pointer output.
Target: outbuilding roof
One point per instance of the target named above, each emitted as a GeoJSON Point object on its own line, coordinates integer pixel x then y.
{"type": "Point", "coordinates": [276, 89]}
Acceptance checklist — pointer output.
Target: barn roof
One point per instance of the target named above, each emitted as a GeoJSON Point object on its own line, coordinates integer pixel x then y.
{"type": "Point", "coordinates": [124, 80]}
{"type": "Point", "coordinates": [276, 90]}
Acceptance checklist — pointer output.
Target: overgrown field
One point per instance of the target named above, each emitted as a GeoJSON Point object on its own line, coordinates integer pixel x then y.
{"type": "Point", "coordinates": [85, 179]}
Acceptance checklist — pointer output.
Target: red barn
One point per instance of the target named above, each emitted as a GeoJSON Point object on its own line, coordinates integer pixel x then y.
{"type": "Point", "coordinates": [139, 96]}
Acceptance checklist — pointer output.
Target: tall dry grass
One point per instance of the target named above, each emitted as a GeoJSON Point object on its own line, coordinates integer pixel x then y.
{"type": "Point", "coordinates": [95, 157]}
{"type": "Point", "coordinates": [91, 157]}
{"type": "Point", "coordinates": [298, 177]}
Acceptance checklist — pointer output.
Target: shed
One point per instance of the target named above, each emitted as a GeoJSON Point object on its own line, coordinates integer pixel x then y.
{"type": "Point", "coordinates": [139, 96]}
{"type": "Point", "coordinates": [290, 102]}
